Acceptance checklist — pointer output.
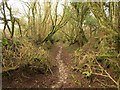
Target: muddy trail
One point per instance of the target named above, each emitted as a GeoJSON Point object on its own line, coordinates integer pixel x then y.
{"type": "Point", "coordinates": [63, 61]}
{"type": "Point", "coordinates": [63, 75]}
{"type": "Point", "coordinates": [60, 77]}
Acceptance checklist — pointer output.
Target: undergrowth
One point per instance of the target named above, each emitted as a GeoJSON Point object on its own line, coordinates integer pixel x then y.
{"type": "Point", "coordinates": [92, 64]}
{"type": "Point", "coordinates": [21, 52]}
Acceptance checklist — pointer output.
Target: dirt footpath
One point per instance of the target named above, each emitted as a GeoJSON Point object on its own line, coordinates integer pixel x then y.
{"type": "Point", "coordinates": [61, 76]}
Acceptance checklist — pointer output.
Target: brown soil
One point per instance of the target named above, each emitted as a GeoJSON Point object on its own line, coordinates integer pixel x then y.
{"type": "Point", "coordinates": [25, 78]}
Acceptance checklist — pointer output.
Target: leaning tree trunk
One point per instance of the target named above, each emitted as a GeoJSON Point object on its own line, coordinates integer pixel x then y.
{"type": "Point", "coordinates": [100, 15]}
{"type": "Point", "coordinates": [109, 24]}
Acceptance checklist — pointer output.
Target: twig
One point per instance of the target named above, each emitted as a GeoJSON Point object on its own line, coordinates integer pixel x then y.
{"type": "Point", "coordinates": [100, 74]}
{"type": "Point", "coordinates": [104, 84]}
{"type": "Point", "coordinates": [107, 74]}
{"type": "Point", "coordinates": [25, 76]}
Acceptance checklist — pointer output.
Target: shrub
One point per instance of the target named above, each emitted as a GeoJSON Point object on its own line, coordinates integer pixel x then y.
{"type": "Point", "coordinates": [25, 54]}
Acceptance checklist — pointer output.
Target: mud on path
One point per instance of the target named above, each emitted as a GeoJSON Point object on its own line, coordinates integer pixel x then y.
{"type": "Point", "coordinates": [61, 77]}
{"type": "Point", "coordinates": [64, 68]}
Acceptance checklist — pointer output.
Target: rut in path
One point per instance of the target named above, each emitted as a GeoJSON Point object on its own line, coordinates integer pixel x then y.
{"type": "Point", "coordinates": [63, 70]}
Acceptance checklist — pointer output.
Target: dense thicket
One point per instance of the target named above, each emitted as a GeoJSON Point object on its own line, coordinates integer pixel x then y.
{"type": "Point", "coordinates": [93, 26]}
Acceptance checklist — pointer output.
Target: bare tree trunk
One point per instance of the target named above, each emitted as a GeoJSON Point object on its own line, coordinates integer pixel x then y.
{"type": "Point", "coordinates": [12, 19]}
{"type": "Point", "coordinates": [5, 19]}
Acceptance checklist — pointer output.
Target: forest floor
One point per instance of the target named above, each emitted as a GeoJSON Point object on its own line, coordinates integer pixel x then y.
{"type": "Point", "coordinates": [63, 75]}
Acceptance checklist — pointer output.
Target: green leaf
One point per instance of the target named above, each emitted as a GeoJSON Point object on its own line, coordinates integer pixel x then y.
{"type": "Point", "coordinates": [88, 74]}
{"type": "Point", "coordinates": [4, 42]}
